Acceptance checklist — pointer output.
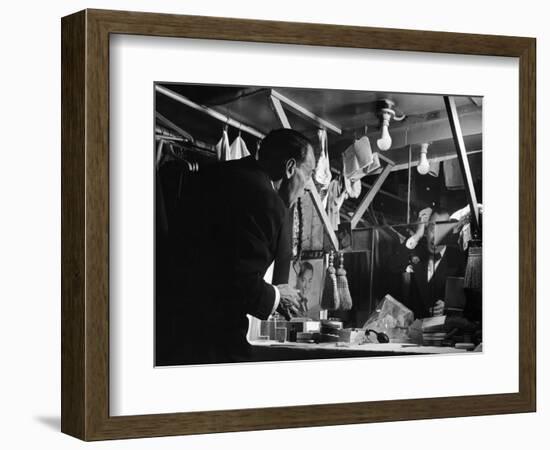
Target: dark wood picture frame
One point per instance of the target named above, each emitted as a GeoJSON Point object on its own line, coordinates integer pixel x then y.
{"type": "Point", "coordinates": [85, 224]}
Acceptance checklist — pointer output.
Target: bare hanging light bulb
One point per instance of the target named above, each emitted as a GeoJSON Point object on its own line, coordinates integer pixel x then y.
{"type": "Point", "coordinates": [423, 164]}
{"type": "Point", "coordinates": [387, 113]}
{"type": "Point", "coordinates": [384, 143]}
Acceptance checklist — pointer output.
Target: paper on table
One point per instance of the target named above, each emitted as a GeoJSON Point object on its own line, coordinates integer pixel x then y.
{"type": "Point", "coordinates": [433, 321]}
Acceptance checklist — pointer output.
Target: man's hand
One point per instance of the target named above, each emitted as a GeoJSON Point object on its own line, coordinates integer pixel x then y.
{"type": "Point", "coordinates": [423, 218]}
{"type": "Point", "coordinates": [424, 215]}
{"type": "Point", "coordinates": [289, 303]}
{"type": "Point", "coordinates": [438, 308]}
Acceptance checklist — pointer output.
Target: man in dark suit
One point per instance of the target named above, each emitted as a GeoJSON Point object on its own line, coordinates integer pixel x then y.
{"type": "Point", "coordinates": [436, 259]}
{"type": "Point", "coordinates": [231, 224]}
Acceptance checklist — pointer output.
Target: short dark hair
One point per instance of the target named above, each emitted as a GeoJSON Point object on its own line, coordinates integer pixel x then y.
{"type": "Point", "coordinates": [440, 211]}
{"type": "Point", "coordinates": [278, 147]}
{"type": "Point", "coordinates": [304, 267]}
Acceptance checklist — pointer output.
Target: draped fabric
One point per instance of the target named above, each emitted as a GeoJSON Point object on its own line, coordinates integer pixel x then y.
{"type": "Point", "coordinates": [238, 149]}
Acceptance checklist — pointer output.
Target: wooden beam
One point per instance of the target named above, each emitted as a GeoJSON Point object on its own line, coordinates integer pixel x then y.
{"type": "Point", "coordinates": [402, 166]}
{"type": "Point", "coordinates": [384, 158]}
{"type": "Point", "coordinates": [209, 111]}
{"type": "Point", "coordinates": [280, 112]}
{"type": "Point", "coordinates": [368, 186]}
{"type": "Point", "coordinates": [369, 196]}
{"type": "Point", "coordinates": [450, 105]}
{"type": "Point", "coordinates": [173, 126]}
{"type": "Point", "coordinates": [318, 204]}
{"type": "Point", "coordinates": [306, 114]}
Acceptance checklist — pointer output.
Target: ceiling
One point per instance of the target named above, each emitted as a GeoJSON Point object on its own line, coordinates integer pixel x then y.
{"type": "Point", "coordinates": [426, 119]}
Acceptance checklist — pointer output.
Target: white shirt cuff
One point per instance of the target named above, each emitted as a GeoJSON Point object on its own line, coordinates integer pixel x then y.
{"type": "Point", "coordinates": [277, 299]}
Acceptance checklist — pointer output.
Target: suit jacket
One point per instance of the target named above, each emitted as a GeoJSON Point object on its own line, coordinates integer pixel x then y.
{"type": "Point", "coordinates": [229, 226]}
{"type": "Point", "coordinates": [425, 293]}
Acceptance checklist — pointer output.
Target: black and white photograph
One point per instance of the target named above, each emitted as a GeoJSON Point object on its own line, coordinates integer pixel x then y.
{"type": "Point", "coordinates": [253, 225]}
{"type": "Point", "coordinates": [303, 224]}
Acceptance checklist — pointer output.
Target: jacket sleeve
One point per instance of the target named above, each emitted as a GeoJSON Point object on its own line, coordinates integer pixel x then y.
{"type": "Point", "coordinates": [257, 236]}
{"type": "Point", "coordinates": [283, 254]}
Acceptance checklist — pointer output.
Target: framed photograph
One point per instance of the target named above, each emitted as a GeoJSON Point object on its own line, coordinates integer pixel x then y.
{"type": "Point", "coordinates": [252, 204]}
{"type": "Point", "coordinates": [307, 276]}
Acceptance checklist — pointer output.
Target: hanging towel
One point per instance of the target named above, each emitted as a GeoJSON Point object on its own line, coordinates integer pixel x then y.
{"type": "Point", "coordinates": [238, 149]}
{"type": "Point", "coordinates": [350, 163]}
{"type": "Point", "coordinates": [464, 227]}
{"type": "Point", "coordinates": [363, 152]}
{"type": "Point", "coordinates": [335, 198]}
{"type": "Point", "coordinates": [357, 157]}
{"type": "Point", "coordinates": [353, 187]}
{"type": "Point", "coordinates": [322, 173]}
{"type": "Point", "coordinates": [434, 168]}
{"type": "Point", "coordinates": [374, 165]}
{"type": "Point", "coordinates": [222, 147]}
{"type": "Point", "coordinates": [453, 174]}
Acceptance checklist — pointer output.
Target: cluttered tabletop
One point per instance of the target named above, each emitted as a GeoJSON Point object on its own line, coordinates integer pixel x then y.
{"type": "Point", "coordinates": [361, 348]}
{"type": "Point", "coordinates": [303, 338]}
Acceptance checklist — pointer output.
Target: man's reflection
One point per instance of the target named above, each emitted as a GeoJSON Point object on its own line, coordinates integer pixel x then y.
{"type": "Point", "coordinates": [435, 259]}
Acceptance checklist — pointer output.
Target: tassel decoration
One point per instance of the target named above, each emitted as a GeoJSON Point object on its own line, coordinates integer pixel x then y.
{"type": "Point", "coordinates": [330, 299]}
{"type": "Point", "coordinates": [343, 286]}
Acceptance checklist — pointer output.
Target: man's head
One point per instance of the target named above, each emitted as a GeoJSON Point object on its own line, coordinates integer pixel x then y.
{"type": "Point", "coordinates": [287, 157]}
{"type": "Point", "coordinates": [438, 215]}
{"type": "Point", "coordinates": [305, 277]}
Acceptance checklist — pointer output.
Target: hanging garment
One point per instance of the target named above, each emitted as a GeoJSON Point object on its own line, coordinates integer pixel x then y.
{"type": "Point", "coordinates": [238, 149]}
{"type": "Point", "coordinates": [434, 168]}
{"type": "Point", "coordinates": [352, 187]}
{"type": "Point", "coordinates": [453, 174]}
{"type": "Point", "coordinates": [335, 198]}
{"type": "Point", "coordinates": [465, 229]}
{"type": "Point", "coordinates": [356, 158]}
{"type": "Point", "coordinates": [363, 152]}
{"type": "Point", "coordinates": [223, 150]}
{"type": "Point", "coordinates": [322, 173]}
{"type": "Point", "coordinates": [374, 165]}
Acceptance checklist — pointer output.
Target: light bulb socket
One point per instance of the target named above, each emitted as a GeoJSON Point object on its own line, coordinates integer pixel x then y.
{"type": "Point", "coordinates": [387, 114]}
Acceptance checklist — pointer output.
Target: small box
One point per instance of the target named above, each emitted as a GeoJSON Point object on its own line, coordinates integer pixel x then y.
{"type": "Point", "coordinates": [280, 334]}
{"type": "Point", "coordinates": [351, 335]}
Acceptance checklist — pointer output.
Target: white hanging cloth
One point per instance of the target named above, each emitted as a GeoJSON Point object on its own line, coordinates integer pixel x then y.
{"type": "Point", "coordinates": [352, 187]}
{"type": "Point", "coordinates": [335, 198]}
{"type": "Point", "coordinates": [375, 164]}
{"type": "Point", "coordinates": [238, 149]}
{"type": "Point", "coordinates": [322, 173]}
{"type": "Point", "coordinates": [222, 147]}
{"type": "Point", "coordinates": [357, 158]}
{"type": "Point", "coordinates": [434, 168]}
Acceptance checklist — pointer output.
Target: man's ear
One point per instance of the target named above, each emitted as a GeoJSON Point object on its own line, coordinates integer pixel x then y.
{"type": "Point", "coordinates": [290, 167]}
